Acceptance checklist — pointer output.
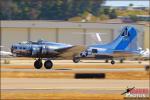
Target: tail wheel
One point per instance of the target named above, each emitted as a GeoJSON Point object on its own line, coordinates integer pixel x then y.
{"type": "Point", "coordinates": [38, 64]}
{"type": "Point", "coordinates": [76, 59]}
{"type": "Point", "coordinates": [112, 62]}
{"type": "Point", "coordinates": [48, 64]}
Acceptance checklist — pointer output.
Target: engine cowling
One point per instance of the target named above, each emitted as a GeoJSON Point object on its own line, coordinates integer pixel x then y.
{"type": "Point", "coordinates": [42, 51]}
{"type": "Point", "coordinates": [36, 50]}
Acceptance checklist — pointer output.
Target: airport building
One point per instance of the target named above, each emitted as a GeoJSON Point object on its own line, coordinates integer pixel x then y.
{"type": "Point", "coordinates": [76, 33]}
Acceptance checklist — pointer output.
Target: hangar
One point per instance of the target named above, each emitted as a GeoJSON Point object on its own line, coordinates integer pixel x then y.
{"type": "Point", "coordinates": [66, 32]}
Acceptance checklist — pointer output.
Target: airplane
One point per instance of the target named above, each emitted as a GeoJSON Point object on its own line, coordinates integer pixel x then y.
{"type": "Point", "coordinates": [145, 54]}
{"type": "Point", "coordinates": [100, 40]}
{"type": "Point", "coordinates": [5, 54]}
{"type": "Point", "coordinates": [125, 45]}
{"type": "Point", "coordinates": [45, 50]}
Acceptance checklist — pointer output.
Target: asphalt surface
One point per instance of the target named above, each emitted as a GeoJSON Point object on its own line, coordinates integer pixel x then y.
{"type": "Point", "coordinates": [49, 85]}
{"type": "Point", "coordinates": [62, 91]}
{"type": "Point", "coordinates": [82, 85]}
{"type": "Point", "coordinates": [76, 70]}
{"type": "Point", "coordinates": [70, 62]}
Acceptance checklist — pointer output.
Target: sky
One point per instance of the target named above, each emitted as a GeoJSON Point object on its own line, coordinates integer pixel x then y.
{"type": "Point", "coordinates": [136, 3]}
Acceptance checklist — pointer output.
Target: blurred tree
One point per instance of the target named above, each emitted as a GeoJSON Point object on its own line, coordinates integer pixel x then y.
{"type": "Point", "coordinates": [48, 9]}
{"type": "Point", "coordinates": [130, 5]}
{"type": "Point", "coordinates": [113, 14]}
{"type": "Point", "coordinates": [106, 11]}
{"type": "Point", "coordinates": [133, 18]}
{"type": "Point", "coordinates": [103, 17]}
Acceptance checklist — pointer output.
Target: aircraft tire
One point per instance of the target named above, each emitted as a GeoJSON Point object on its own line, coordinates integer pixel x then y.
{"type": "Point", "coordinates": [112, 62]}
{"type": "Point", "coordinates": [121, 60]}
{"type": "Point", "coordinates": [76, 59]}
{"type": "Point", "coordinates": [48, 64]}
{"type": "Point", "coordinates": [106, 61]}
{"type": "Point", "coordinates": [38, 64]}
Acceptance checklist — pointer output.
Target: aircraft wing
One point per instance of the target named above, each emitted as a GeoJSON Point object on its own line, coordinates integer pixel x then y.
{"type": "Point", "coordinates": [68, 53]}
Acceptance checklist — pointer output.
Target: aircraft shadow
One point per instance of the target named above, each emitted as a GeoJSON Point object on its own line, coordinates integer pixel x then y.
{"type": "Point", "coordinates": [91, 62]}
{"type": "Point", "coordinates": [62, 69]}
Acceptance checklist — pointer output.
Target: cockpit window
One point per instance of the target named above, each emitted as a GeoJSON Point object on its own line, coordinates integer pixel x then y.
{"type": "Point", "coordinates": [14, 47]}
{"type": "Point", "coordinates": [24, 42]}
{"type": "Point", "coordinates": [35, 43]}
{"type": "Point", "coordinates": [94, 51]}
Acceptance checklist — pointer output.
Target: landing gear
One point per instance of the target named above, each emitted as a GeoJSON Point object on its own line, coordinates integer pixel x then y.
{"type": "Point", "coordinates": [48, 64]}
{"type": "Point", "coordinates": [106, 61]}
{"type": "Point", "coordinates": [38, 64]}
{"type": "Point", "coordinates": [139, 62]}
{"type": "Point", "coordinates": [76, 59]}
{"type": "Point", "coordinates": [121, 60]}
{"type": "Point", "coordinates": [112, 62]}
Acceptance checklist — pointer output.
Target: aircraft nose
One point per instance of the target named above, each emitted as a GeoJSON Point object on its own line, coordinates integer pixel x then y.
{"type": "Point", "coordinates": [12, 49]}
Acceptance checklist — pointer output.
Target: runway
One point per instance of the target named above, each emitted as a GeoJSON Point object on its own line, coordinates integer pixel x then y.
{"type": "Point", "coordinates": [21, 78]}
{"type": "Point", "coordinates": [70, 62]}
{"type": "Point", "coordinates": [62, 91]}
{"type": "Point", "coordinates": [75, 70]}
{"type": "Point", "coordinates": [70, 84]}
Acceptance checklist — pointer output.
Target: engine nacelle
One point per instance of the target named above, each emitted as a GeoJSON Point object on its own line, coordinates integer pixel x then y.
{"type": "Point", "coordinates": [35, 51]}
{"type": "Point", "coordinates": [42, 50]}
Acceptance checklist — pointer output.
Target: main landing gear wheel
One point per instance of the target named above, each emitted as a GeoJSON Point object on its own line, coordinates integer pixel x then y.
{"type": "Point", "coordinates": [38, 64]}
{"type": "Point", "coordinates": [48, 64]}
{"type": "Point", "coordinates": [106, 61]}
{"type": "Point", "coordinates": [76, 59]}
{"type": "Point", "coordinates": [121, 60]}
{"type": "Point", "coordinates": [112, 62]}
